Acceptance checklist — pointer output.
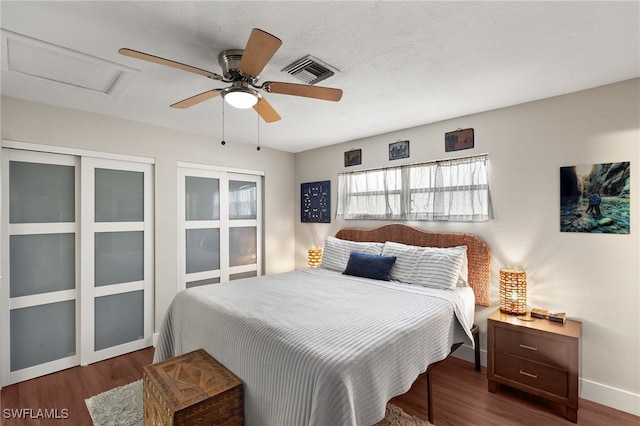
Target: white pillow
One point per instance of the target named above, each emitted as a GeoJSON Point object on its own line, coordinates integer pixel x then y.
{"type": "Point", "coordinates": [427, 266]}
{"type": "Point", "coordinates": [335, 254]}
{"type": "Point", "coordinates": [463, 279]}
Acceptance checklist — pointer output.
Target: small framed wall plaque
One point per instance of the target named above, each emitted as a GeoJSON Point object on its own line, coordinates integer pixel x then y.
{"type": "Point", "coordinates": [458, 139]}
{"type": "Point", "coordinates": [315, 202]}
{"type": "Point", "coordinates": [398, 150]}
{"type": "Point", "coordinates": [353, 157]}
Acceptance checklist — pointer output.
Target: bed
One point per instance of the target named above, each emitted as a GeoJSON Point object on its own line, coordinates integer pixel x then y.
{"type": "Point", "coordinates": [318, 347]}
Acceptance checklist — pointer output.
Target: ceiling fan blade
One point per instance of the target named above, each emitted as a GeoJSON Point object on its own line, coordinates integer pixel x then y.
{"type": "Point", "coordinates": [259, 50]}
{"type": "Point", "coordinates": [266, 111]}
{"type": "Point", "coordinates": [169, 63]}
{"type": "Point", "coordinates": [196, 99]}
{"type": "Point", "coordinates": [324, 93]}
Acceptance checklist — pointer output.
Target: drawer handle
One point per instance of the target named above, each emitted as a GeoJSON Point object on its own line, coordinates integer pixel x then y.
{"type": "Point", "coordinates": [533, 376]}
{"type": "Point", "coordinates": [531, 348]}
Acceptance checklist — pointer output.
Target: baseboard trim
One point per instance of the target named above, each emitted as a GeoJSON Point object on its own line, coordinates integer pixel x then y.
{"type": "Point", "coordinates": [602, 394]}
{"type": "Point", "coordinates": [155, 339]}
{"type": "Point", "coordinates": [610, 396]}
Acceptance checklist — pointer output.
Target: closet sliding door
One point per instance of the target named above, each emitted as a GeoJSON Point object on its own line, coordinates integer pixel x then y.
{"type": "Point", "coordinates": [40, 257]}
{"type": "Point", "coordinates": [220, 225]}
{"type": "Point", "coordinates": [77, 261]}
{"type": "Point", "coordinates": [244, 225]}
{"type": "Point", "coordinates": [117, 274]}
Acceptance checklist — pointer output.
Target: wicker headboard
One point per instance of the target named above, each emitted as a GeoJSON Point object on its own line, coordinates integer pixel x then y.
{"type": "Point", "coordinates": [478, 252]}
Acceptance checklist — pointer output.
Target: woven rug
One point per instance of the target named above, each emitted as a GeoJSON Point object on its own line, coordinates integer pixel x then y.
{"type": "Point", "coordinates": [122, 406]}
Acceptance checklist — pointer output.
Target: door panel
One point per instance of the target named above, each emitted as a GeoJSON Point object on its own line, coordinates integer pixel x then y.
{"type": "Point", "coordinates": [203, 282]}
{"type": "Point", "coordinates": [42, 263]}
{"type": "Point", "coordinates": [43, 333]}
{"type": "Point", "coordinates": [119, 319]}
{"type": "Point", "coordinates": [243, 200]}
{"type": "Point", "coordinates": [241, 275]}
{"type": "Point", "coordinates": [202, 200]}
{"type": "Point", "coordinates": [202, 250]}
{"type": "Point", "coordinates": [119, 257]}
{"type": "Point", "coordinates": [41, 193]}
{"type": "Point", "coordinates": [40, 257]}
{"type": "Point", "coordinates": [243, 248]}
{"type": "Point", "coordinates": [119, 195]}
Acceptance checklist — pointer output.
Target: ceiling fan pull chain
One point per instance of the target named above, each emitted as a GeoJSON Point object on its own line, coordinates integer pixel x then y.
{"type": "Point", "coordinates": [258, 120]}
{"type": "Point", "coordinates": [223, 141]}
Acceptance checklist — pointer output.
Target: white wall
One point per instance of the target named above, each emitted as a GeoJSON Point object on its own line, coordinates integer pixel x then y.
{"type": "Point", "coordinates": [43, 124]}
{"type": "Point", "coordinates": [595, 278]}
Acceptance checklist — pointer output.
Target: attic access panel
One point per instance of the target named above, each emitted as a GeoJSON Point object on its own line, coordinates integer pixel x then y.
{"type": "Point", "coordinates": [37, 59]}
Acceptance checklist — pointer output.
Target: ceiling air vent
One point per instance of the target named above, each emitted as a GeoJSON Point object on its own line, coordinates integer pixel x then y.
{"type": "Point", "coordinates": [310, 70]}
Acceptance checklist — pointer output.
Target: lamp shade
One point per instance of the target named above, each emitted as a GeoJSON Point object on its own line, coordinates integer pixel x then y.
{"type": "Point", "coordinates": [240, 98]}
{"type": "Point", "coordinates": [314, 257]}
{"type": "Point", "coordinates": [513, 292]}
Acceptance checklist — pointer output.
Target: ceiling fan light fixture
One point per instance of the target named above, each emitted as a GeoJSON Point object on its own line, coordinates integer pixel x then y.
{"type": "Point", "coordinates": [242, 69]}
{"type": "Point", "coordinates": [241, 97]}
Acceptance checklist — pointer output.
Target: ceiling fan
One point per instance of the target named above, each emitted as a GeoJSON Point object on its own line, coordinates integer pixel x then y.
{"type": "Point", "coordinates": [242, 69]}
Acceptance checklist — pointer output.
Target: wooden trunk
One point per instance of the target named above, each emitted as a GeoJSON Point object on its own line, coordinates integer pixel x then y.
{"type": "Point", "coordinates": [191, 389]}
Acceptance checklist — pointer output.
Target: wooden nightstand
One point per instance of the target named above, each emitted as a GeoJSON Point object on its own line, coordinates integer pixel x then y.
{"type": "Point", "coordinates": [540, 357]}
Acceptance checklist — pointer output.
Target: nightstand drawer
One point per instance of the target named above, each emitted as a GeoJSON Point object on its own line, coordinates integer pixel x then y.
{"type": "Point", "coordinates": [532, 374]}
{"type": "Point", "coordinates": [531, 346]}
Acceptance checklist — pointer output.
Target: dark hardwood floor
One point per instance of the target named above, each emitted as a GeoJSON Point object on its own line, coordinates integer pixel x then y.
{"type": "Point", "coordinates": [461, 398]}
{"type": "Point", "coordinates": [459, 392]}
{"type": "Point", "coordinates": [67, 390]}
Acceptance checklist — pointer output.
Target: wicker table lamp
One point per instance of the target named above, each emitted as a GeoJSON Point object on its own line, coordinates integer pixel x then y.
{"type": "Point", "coordinates": [314, 257]}
{"type": "Point", "coordinates": [513, 292]}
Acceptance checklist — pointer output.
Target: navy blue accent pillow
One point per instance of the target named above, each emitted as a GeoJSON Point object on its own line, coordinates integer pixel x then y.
{"type": "Point", "coordinates": [370, 266]}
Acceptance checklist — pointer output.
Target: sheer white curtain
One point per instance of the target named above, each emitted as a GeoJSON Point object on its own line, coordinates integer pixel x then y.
{"type": "Point", "coordinates": [451, 190]}
{"type": "Point", "coordinates": [370, 194]}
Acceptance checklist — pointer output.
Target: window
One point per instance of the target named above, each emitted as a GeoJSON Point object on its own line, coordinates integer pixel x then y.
{"type": "Point", "coordinates": [448, 190]}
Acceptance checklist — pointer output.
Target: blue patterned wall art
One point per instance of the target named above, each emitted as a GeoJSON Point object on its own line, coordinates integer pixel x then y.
{"type": "Point", "coordinates": [315, 202]}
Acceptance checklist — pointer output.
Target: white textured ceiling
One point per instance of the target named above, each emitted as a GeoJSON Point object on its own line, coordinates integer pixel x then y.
{"type": "Point", "coordinates": [402, 64]}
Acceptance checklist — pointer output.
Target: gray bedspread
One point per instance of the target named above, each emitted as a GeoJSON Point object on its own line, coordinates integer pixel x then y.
{"type": "Point", "coordinates": [314, 347]}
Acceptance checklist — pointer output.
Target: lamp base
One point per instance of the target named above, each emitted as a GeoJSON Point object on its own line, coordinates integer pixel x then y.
{"type": "Point", "coordinates": [526, 317]}
{"type": "Point", "coordinates": [505, 311]}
